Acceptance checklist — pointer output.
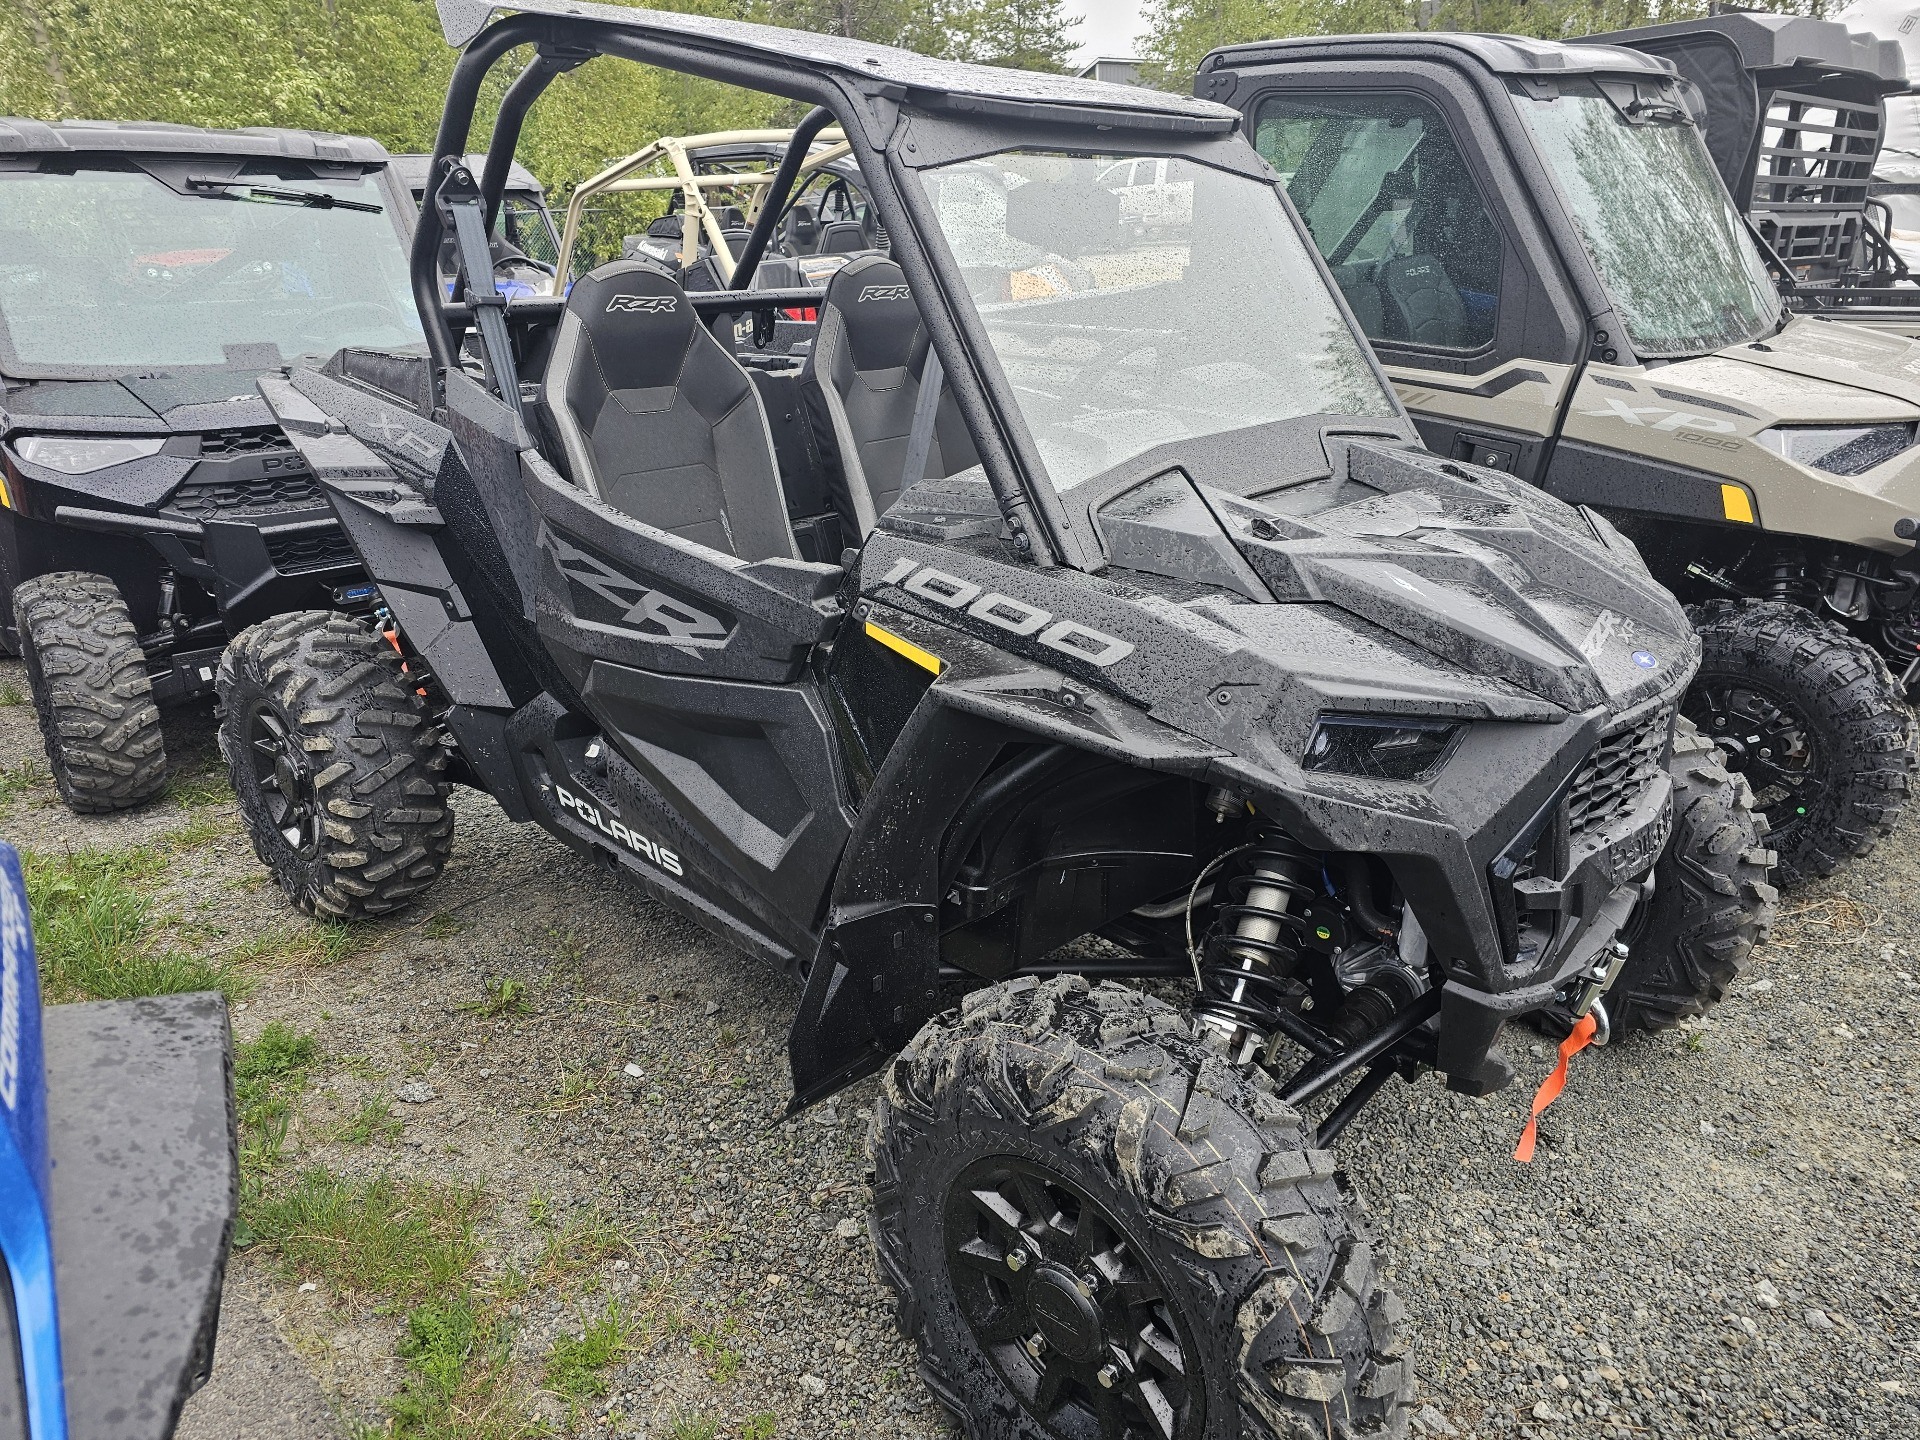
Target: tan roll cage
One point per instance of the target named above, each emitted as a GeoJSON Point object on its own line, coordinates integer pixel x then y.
{"type": "Point", "coordinates": [621, 178]}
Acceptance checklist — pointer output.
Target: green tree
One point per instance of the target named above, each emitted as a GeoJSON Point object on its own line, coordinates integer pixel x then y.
{"type": "Point", "coordinates": [1017, 34]}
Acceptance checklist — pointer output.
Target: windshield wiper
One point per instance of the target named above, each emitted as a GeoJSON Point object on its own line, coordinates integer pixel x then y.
{"type": "Point", "coordinates": [1660, 112]}
{"type": "Point", "coordinates": [215, 188]}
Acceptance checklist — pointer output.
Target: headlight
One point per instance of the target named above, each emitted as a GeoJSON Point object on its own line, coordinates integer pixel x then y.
{"type": "Point", "coordinates": [77, 457]}
{"type": "Point", "coordinates": [1380, 747]}
{"type": "Point", "coordinates": [1838, 449]}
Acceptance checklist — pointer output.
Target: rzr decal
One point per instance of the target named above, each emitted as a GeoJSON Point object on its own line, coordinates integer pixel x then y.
{"type": "Point", "coordinates": [1016, 617]}
{"type": "Point", "coordinates": [884, 292]}
{"type": "Point", "coordinates": [1607, 626]}
{"type": "Point", "coordinates": [645, 304]}
{"type": "Point", "coordinates": [651, 851]}
{"type": "Point", "coordinates": [655, 614]}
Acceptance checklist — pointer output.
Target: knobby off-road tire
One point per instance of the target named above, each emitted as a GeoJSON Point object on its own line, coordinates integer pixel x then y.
{"type": "Point", "coordinates": [1771, 671]}
{"type": "Point", "coordinates": [336, 767]}
{"type": "Point", "coordinates": [90, 686]}
{"type": "Point", "coordinates": [1711, 902]}
{"type": "Point", "coordinates": [1048, 1119]}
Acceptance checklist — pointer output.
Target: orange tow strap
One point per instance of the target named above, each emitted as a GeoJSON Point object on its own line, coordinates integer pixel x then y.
{"type": "Point", "coordinates": [1555, 1082]}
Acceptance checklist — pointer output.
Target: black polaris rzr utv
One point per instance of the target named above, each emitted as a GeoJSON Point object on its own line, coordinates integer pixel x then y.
{"type": "Point", "coordinates": [1154, 630]}
{"type": "Point", "coordinates": [149, 508]}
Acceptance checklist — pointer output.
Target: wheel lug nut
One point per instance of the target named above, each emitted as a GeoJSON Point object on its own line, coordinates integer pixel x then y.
{"type": "Point", "coordinates": [1109, 1376]}
{"type": "Point", "coordinates": [1016, 1260]}
{"type": "Point", "coordinates": [1036, 1345]}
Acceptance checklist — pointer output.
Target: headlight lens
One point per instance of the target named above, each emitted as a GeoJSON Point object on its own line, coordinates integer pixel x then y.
{"type": "Point", "coordinates": [1838, 449]}
{"type": "Point", "coordinates": [1380, 747]}
{"type": "Point", "coordinates": [77, 457]}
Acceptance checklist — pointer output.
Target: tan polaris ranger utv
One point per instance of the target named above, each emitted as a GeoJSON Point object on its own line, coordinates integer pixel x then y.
{"type": "Point", "coordinates": [1551, 272]}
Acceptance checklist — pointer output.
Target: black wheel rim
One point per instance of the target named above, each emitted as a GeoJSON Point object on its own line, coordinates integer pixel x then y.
{"type": "Point", "coordinates": [1066, 1307]}
{"type": "Point", "coordinates": [286, 782]}
{"type": "Point", "coordinates": [1768, 739]}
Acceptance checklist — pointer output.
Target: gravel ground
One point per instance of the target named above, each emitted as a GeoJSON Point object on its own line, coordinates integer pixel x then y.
{"type": "Point", "coordinates": [1716, 1237]}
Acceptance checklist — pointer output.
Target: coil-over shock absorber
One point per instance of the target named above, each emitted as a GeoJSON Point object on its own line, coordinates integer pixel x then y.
{"type": "Point", "coordinates": [1246, 966]}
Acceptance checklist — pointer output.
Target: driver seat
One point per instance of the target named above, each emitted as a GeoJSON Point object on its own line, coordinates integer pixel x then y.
{"type": "Point", "coordinates": [867, 365]}
{"type": "Point", "coordinates": [657, 418]}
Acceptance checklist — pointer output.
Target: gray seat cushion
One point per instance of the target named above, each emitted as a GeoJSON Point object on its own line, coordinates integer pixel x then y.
{"type": "Point", "coordinates": [658, 419]}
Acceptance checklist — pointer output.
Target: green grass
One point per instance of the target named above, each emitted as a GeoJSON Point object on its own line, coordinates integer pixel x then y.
{"type": "Point", "coordinates": [759, 1427]}
{"type": "Point", "coordinates": [317, 943]}
{"type": "Point", "coordinates": [17, 780]}
{"type": "Point", "coordinates": [503, 996]}
{"type": "Point", "coordinates": [441, 924]}
{"type": "Point", "coordinates": [92, 920]}
{"type": "Point", "coordinates": [723, 1362]}
{"type": "Point", "coordinates": [198, 789]}
{"type": "Point", "coordinates": [692, 1427]}
{"type": "Point", "coordinates": [577, 1365]}
{"type": "Point", "coordinates": [12, 694]}
{"type": "Point", "coordinates": [374, 1123]}
{"type": "Point", "coordinates": [268, 1075]}
{"type": "Point", "coordinates": [406, 1241]}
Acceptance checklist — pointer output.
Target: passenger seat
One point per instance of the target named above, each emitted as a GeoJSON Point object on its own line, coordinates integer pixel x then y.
{"type": "Point", "coordinates": [658, 419]}
{"type": "Point", "coordinates": [868, 362]}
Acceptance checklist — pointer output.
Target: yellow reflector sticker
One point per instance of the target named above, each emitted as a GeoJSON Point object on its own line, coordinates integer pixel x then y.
{"type": "Point", "coordinates": [1734, 501]}
{"type": "Point", "coordinates": [904, 647]}
{"type": "Point", "coordinates": [6, 500]}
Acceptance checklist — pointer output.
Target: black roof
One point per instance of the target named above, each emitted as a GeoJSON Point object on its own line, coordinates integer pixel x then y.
{"type": "Point", "coordinates": [1776, 42]}
{"type": "Point", "coordinates": [150, 137]}
{"type": "Point", "coordinates": [1502, 54]}
{"type": "Point", "coordinates": [412, 170]}
{"type": "Point", "coordinates": [858, 60]}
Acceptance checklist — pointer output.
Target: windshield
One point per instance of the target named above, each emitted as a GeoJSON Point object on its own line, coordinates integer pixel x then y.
{"type": "Point", "coordinates": [1676, 259]}
{"type": "Point", "coordinates": [1137, 300]}
{"type": "Point", "coordinates": [525, 225]}
{"type": "Point", "coordinates": [112, 270]}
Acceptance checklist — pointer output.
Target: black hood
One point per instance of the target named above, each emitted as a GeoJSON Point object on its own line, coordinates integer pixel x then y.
{"type": "Point", "coordinates": [139, 405]}
{"type": "Point", "coordinates": [1478, 569]}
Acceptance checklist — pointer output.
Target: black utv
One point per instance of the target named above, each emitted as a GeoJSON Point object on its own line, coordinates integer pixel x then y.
{"type": "Point", "coordinates": [150, 509]}
{"type": "Point", "coordinates": [1144, 636]}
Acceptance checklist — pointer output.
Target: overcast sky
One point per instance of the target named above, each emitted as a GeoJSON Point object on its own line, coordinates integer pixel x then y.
{"type": "Point", "coordinates": [1107, 27]}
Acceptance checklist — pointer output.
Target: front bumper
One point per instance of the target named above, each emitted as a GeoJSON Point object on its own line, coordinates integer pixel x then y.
{"type": "Point", "coordinates": [1563, 891]}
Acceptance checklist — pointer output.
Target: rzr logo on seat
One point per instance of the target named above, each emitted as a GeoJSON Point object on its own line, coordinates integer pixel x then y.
{"type": "Point", "coordinates": [650, 851]}
{"type": "Point", "coordinates": [1016, 617]}
{"type": "Point", "coordinates": [649, 304]}
{"type": "Point", "coordinates": [884, 292]}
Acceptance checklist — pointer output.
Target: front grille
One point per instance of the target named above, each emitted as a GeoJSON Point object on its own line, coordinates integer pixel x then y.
{"type": "Point", "coordinates": [310, 550]}
{"type": "Point", "coordinates": [1617, 771]}
{"type": "Point", "coordinates": [218, 499]}
{"type": "Point", "coordinates": [250, 440]}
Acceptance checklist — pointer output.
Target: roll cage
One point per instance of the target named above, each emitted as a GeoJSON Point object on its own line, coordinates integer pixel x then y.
{"type": "Point", "coordinates": [682, 155]}
{"type": "Point", "coordinates": [897, 112]}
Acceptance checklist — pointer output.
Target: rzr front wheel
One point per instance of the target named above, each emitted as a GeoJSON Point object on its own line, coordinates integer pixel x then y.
{"type": "Point", "coordinates": [1711, 900]}
{"type": "Point", "coordinates": [1098, 1230]}
{"type": "Point", "coordinates": [334, 764]}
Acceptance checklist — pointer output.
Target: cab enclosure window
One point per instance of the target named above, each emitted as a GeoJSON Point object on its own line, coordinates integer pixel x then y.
{"type": "Point", "coordinates": [1391, 205]}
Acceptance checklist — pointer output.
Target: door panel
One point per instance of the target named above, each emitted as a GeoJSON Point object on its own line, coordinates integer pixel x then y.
{"type": "Point", "coordinates": [1503, 419]}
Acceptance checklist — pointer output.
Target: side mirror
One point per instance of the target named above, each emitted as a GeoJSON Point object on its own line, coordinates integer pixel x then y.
{"type": "Point", "coordinates": [1066, 217]}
